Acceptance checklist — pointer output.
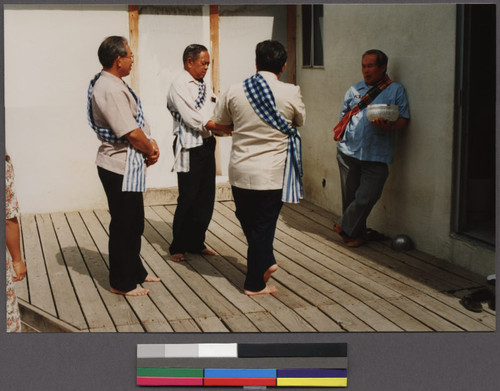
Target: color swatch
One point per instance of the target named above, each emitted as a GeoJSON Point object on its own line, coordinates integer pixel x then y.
{"type": "Point", "coordinates": [231, 364]}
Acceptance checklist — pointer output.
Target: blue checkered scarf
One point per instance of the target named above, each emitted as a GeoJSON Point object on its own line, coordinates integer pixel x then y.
{"type": "Point", "coordinates": [187, 138]}
{"type": "Point", "coordinates": [261, 98]}
{"type": "Point", "coordinates": [134, 178]}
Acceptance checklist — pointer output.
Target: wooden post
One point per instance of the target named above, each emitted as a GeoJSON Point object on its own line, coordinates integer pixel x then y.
{"type": "Point", "coordinates": [291, 42]}
{"type": "Point", "coordinates": [214, 50]}
{"type": "Point", "coordinates": [215, 64]}
{"type": "Point", "coordinates": [133, 26]}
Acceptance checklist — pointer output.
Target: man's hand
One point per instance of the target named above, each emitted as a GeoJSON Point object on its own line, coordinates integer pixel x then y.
{"type": "Point", "coordinates": [218, 129]}
{"type": "Point", "coordinates": [399, 124]}
{"type": "Point", "coordinates": [153, 157]}
{"type": "Point", "coordinates": [382, 123]}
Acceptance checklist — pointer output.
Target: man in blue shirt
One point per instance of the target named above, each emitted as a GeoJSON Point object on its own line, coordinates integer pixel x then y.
{"type": "Point", "coordinates": [367, 147]}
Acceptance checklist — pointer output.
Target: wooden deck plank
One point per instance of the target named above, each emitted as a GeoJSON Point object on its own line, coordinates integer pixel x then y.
{"type": "Point", "coordinates": [151, 318]}
{"type": "Point", "coordinates": [286, 297]}
{"type": "Point", "coordinates": [311, 312]}
{"type": "Point", "coordinates": [475, 324]}
{"type": "Point", "coordinates": [402, 315]}
{"type": "Point", "coordinates": [38, 284]}
{"type": "Point", "coordinates": [247, 305]}
{"type": "Point", "coordinates": [486, 317]}
{"type": "Point", "coordinates": [372, 296]}
{"type": "Point", "coordinates": [408, 282]}
{"type": "Point", "coordinates": [328, 291]}
{"type": "Point", "coordinates": [418, 287]}
{"type": "Point", "coordinates": [122, 310]}
{"type": "Point", "coordinates": [326, 218]}
{"type": "Point", "coordinates": [119, 310]}
{"type": "Point", "coordinates": [215, 289]}
{"type": "Point", "coordinates": [287, 316]}
{"type": "Point", "coordinates": [323, 286]}
{"type": "Point", "coordinates": [346, 320]}
{"type": "Point", "coordinates": [432, 320]}
{"type": "Point", "coordinates": [66, 302]}
{"type": "Point", "coordinates": [240, 324]}
{"type": "Point", "coordinates": [21, 287]}
{"type": "Point", "coordinates": [332, 240]}
{"type": "Point", "coordinates": [90, 301]}
{"type": "Point", "coordinates": [266, 322]}
{"type": "Point", "coordinates": [450, 314]}
{"type": "Point", "coordinates": [190, 298]}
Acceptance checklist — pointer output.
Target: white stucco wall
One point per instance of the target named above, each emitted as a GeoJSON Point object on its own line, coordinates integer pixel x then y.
{"type": "Point", "coordinates": [50, 56]}
{"type": "Point", "coordinates": [241, 28]}
{"type": "Point", "coordinates": [164, 33]}
{"type": "Point", "coordinates": [420, 43]}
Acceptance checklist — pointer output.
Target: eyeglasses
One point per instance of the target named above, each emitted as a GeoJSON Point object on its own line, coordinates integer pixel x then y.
{"type": "Point", "coordinates": [131, 56]}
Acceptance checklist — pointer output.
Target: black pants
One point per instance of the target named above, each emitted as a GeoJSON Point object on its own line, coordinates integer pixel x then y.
{"type": "Point", "coordinates": [195, 204]}
{"type": "Point", "coordinates": [362, 184]}
{"type": "Point", "coordinates": [125, 230]}
{"type": "Point", "coordinates": [258, 212]}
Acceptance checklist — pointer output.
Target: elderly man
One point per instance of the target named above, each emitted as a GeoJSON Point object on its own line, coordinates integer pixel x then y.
{"type": "Point", "coordinates": [365, 148]}
{"type": "Point", "coordinates": [191, 105]}
{"type": "Point", "coordinates": [115, 114]}
{"type": "Point", "coordinates": [265, 165]}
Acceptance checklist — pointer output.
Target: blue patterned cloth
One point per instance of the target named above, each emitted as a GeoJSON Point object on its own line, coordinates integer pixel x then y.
{"type": "Point", "coordinates": [187, 137]}
{"type": "Point", "coordinates": [134, 178]}
{"type": "Point", "coordinates": [202, 93]}
{"type": "Point", "coordinates": [262, 100]}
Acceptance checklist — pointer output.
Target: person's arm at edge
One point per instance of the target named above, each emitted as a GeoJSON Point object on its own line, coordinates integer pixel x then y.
{"type": "Point", "coordinates": [13, 244]}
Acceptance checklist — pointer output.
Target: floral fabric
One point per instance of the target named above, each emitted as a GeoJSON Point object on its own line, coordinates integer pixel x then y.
{"type": "Point", "coordinates": [11, 211]}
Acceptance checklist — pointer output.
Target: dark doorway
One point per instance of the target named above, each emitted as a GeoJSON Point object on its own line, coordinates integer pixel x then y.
{"type": "Point", "coordinates": [475, 123]}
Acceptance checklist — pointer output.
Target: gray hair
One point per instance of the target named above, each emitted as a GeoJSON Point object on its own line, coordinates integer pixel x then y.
{"type": "Point", "coordinates": [111, 48]}
{"type": "Point", "coordinates": [193, 51]}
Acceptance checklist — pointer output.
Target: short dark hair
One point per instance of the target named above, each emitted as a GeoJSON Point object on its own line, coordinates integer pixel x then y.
{"type": "Point", "coordinates": [111, 48]}
{"type": "Point", "coordinates": [382, 59]}
{"type": "Point", "coordinates": [270, 56]}
{"type": "Point", "coordinates": [193, 51]}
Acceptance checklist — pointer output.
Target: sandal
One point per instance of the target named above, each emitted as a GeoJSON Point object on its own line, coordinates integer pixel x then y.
{"type": "Point", "coordinates": [471, 305]}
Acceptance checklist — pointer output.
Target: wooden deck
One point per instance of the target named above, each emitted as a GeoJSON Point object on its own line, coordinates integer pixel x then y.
{"type": "Point", "coordinates": [323, 285]}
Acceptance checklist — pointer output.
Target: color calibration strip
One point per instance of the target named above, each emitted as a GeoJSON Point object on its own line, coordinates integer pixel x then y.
{"type": "Point", "coordinates": [231, 364]}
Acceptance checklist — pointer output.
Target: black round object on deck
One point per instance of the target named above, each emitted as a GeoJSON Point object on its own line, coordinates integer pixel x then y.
{"type": "Point", "coordinates": [402, 242]}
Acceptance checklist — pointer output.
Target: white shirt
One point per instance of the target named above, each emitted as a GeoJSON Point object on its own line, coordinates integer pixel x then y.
{"type": "Point", "coordinates": [259, 150]}
{"type": "Point", "coordinates": [182, 96]}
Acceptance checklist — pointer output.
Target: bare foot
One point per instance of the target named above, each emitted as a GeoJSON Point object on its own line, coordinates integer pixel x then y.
{"type": "Point", "coordinates": [271, 270]}
{"type": "Point", "coordinates": [139, 291]}
{"type": "Point", "coordinates": [177, 257]}
{"type": "Point", "coordinates": [208, 251]}
{"type": "Point", "coordinates": [150, 278]}
{"type": "Point", "coordinates": [268, 290]}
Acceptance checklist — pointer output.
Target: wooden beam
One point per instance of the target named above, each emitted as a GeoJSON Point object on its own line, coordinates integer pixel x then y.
{"type": "Point", "coordinates": [214, 50]}
{"type": "Point", "coordinates": [214, 55]}
{"type": "Point", "coordinates": [291, 42]}
{"type": "Point", "coordinates": [133, 32]}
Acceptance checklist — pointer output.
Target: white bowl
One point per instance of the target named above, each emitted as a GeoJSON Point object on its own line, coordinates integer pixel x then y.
{"type": "Point", "coordinates": [389, 112]}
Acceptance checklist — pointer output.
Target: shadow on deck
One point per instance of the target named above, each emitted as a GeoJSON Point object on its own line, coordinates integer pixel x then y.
{"type": "Point", "coordinates": [323, 285]}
